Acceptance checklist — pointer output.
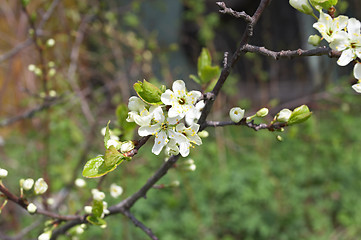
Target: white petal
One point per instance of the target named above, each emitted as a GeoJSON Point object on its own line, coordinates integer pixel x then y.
{"type": "Point", "coordinates": [179, 87]}
{"type": "Point", "coordinates": [168, 97]}
{"type": "Point", "coordinates": [353, 26]}
{"type": "Point", "coordinates": [159, 142]}
{"type": "Point", "coordinates": [136, 104]}
{"type": "Point", "coordinates": [193, 96]}
{"type": "Point", "coordinates": [357, 87]}
{"type": "Point", "coordinates": [184, 149]}
{"type": "Point", "coordinates": [148, 130]}
{"type": "Point", "coordinates": [346, 57]}
{"type": "Point", "coordinates": [357, 71]}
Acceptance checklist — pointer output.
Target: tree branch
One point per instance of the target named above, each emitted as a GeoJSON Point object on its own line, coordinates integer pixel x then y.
{"type": "Point", "coordinates": [250, 124]}
{"type": "Point", "coordinates": [139, 224]}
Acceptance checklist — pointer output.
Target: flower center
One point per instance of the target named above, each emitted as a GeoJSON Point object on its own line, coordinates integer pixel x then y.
{"type": "Point", "coordinates": [164, 126]}
{"type": "Point", "coordinates": [181, 101]}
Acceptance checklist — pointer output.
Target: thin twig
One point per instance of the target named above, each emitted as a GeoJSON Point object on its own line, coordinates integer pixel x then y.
{"type": "Point", "coordinates": [250, 124]}
{"type": "Point", "coordinates": [139, 224]}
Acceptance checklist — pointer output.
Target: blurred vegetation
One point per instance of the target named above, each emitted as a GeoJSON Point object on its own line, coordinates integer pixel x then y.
{"type": "Point", "coordinates": [247, 184]}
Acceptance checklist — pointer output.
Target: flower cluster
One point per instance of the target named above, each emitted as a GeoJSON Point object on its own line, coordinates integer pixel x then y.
{"type": "Point", "coordinates": [163, 120]}
{"type": "Point", "coordinates": [343, 34]}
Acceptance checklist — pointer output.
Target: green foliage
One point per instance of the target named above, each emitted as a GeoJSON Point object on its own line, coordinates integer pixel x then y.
{"type": "Point", "coordinates": [126, 128]}
{"type": "Point", "coordinates": [207, 74]}
{"type": "Point", "coordinates": [97, 211]}
{"type": "Point", "coordinates": [148, 92]}
{"type": "Point", "coordinates": [326, 4]}
{"type": "Point", "coordinates": [299, 115]}
{"type": "Point", "coordinates": [96, 167]}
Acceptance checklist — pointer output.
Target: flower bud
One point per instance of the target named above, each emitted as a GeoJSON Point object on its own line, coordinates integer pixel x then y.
{"type": "Point", "coordinates": [127, 146]}
{"type": "Point", "coordinates": [79, 182]}
{"type": "Point", "coordinates": [3, 173]}
{"type": "Point", "coordinates": [50, 42]}
{"type": "Point", "coordinates": [115, 190]}
{"type": "Point", "coordinates": [115, 143]}
{"type": "Point", "coordinates": [31, 208]}
{"type": "Point", "coordinates": [88, 209]}
{"type": "Point", "coordinates": [31, 67]}
{"type": "Point", "coordinates": [236, 114]}
{"type": "Point", "coordinates": [98, 195]}
{"type": "Point", "coordinates": [357, 71]}
{"type": "Point", "coordinates": [284, 115]}
{"type": "Point", "coordinates": [302, 6]}
{"type": "Point", "coordinates": [314, 40]}
{"type": "Point", "coordinates": [174, 184]}
{"type": "Point", "coordinates": [40, 186]}
{"type": "Point", "coordinates": [279, 138]}
{"type": "Point", "coordinates": [203, 134]}
{"type": "Point", "coordinates": [45, 236]}
{"type": "Point", "coordinates": [262, 112]}
{"type": "Point", "coordinates": [28, 184]}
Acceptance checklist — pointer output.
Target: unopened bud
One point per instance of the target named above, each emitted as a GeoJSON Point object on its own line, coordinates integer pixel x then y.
{"type": "Point", "coordinates": [262, 112]}
{"type": "Point", "coordinates": [302, 6]}
{"type": "Point", "coordinates": [284, 115]}
{"type": "Point", "coordinates": [236, 114]}
{"type": "Point", "coordinates": [31, 208]}
{"type": "Point", "coordinates": [3, 173]}
{"type": "Point", "coordinates": [28, 184]}
{"type": "Point", "coordinates": [203, 134]}
{"type": "Point", "coordinates": [314, 40]}
{"type": "Point", "coordinates": [40, 186]}
{"type": "Point", "coordinates": [50, 42]}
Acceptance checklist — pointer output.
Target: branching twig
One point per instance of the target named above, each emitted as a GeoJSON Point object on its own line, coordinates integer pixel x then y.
{"type": "Point", "coordinates": [250, 124]}
{"type": "Point", "coordinates": [292, 53]}
{"type": "Point", "coordinates": [139, 224]}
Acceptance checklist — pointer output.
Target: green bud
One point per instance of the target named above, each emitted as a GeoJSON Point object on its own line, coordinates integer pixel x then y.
{"type": "Point", "coordinates": [325, 4]}
{"type": "Point", "coordinates": [279, 138]}
{"type": "Point", "coordinates": [284, 115]}
{"type": "Point", "coordinates": [52, 72]}
{"type": "Point", "coordinates": [203, 134]}
{"type": "Point", "coordinates": [262, 112]}
{"type": "Point", "coordinates": [300, 114]}
{"type": "Point", "coordinates": [302, 6]}
{"type": "Point", "coordinates": [314, 40]}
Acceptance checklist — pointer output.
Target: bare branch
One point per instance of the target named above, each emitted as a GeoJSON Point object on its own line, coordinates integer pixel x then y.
{"type": "Point", "coordinates": [292, 53]}
{"type": "Point", "coordinates": [233, 13]}
{"type": "Point", "coordinates": [139, 224]}
{"type": "Point", "coordinates": [250, 124]}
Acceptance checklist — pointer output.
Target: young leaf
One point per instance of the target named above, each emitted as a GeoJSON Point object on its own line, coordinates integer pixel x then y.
{"type": "Point", "coordinates": [113, 157]}
{"type": "Point", "coordinates": [204, 60]}
{"type": "Point", "coordinates": [299, 115]}
{"type": "Point", "coordinates": [97, 208]}
{"type": "Point", "coordinates": [106, 135]}
{"type": "Point", "coordinates": [208, 73]}
{"type": "Point", "coordinates": [96, 167]}
{"type": "Point", "coordinates": [148, 92]}
{"type": "Point", "coordinates": [96, 220]}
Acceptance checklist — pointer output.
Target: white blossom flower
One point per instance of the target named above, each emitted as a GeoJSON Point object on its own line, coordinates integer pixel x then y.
{"type": "Point", "coordinates": [284, 115]}
{"type": "Point", "coordinates": [172, 148]}
{"type": "Point", "coordinates": [40, 186]}
{"type": "Point", "coordinates": [28, 184]}
{"type": "Point", "coordinates": [349, 43]}
{"type": "Point", "coordinates": [45, 235]}
{"type": "Point", "coordinates": [31, 208]}
{"type": "Point", "coordinates": [139, 112]}
{"type": "Point", "coordinates": [161, 129]}
{"type": "Point", "coordinates": [236, 114]}
{"type": "Point", "coordinates": [182, 102]}
{"type": "Point", "coordinates": [98, 195]}
{"type": "Point", "coordinates": [105, 208]}
{"type": "Point", "coordinates": [330, 27]}
{"type": "Point", "coordinates": [191, 137]}
{"type": "Point", "coordinates": [79, 230]}
{"type": "Point", "coordinates": [193, 118]}
{"type": "Point", "coordinates": [3, 173]}
{"type": "Point", "coordinates": [79, 182]}
{"type": "Point", "coordinates": [115, 190]}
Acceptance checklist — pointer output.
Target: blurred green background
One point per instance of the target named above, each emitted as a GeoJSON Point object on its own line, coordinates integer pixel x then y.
{"type": "Point", "coordinates": [247, 185]}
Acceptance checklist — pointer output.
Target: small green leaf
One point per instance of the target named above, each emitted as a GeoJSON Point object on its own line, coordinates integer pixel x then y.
{"type": "Point", "coordinates": [204, 60]}
{"type": "Point", "coordinates": [96, 167]}
{"type": "Point", "coordinates": [148, 92]}
{"type": "Point", "coordinates": [195, 78]}
{"type": "Point", "coordinates": [113, 157]}
{"type": "Point", "coordinates": [96, 220]}
{"type": "Point", "coordinates": [299, 115]}
{"type": "Point", "coordinates": [208, 73]}
{"type": "Point", "coordinates": [97, 208]}
{"type": "Point", "coordinates": [106, 135]}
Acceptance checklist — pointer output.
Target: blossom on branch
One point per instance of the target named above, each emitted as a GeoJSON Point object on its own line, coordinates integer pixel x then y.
{"type": "Point", "coordinates": [330, 28]}
{"type": "Point", "coordinates": [182, 102]}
